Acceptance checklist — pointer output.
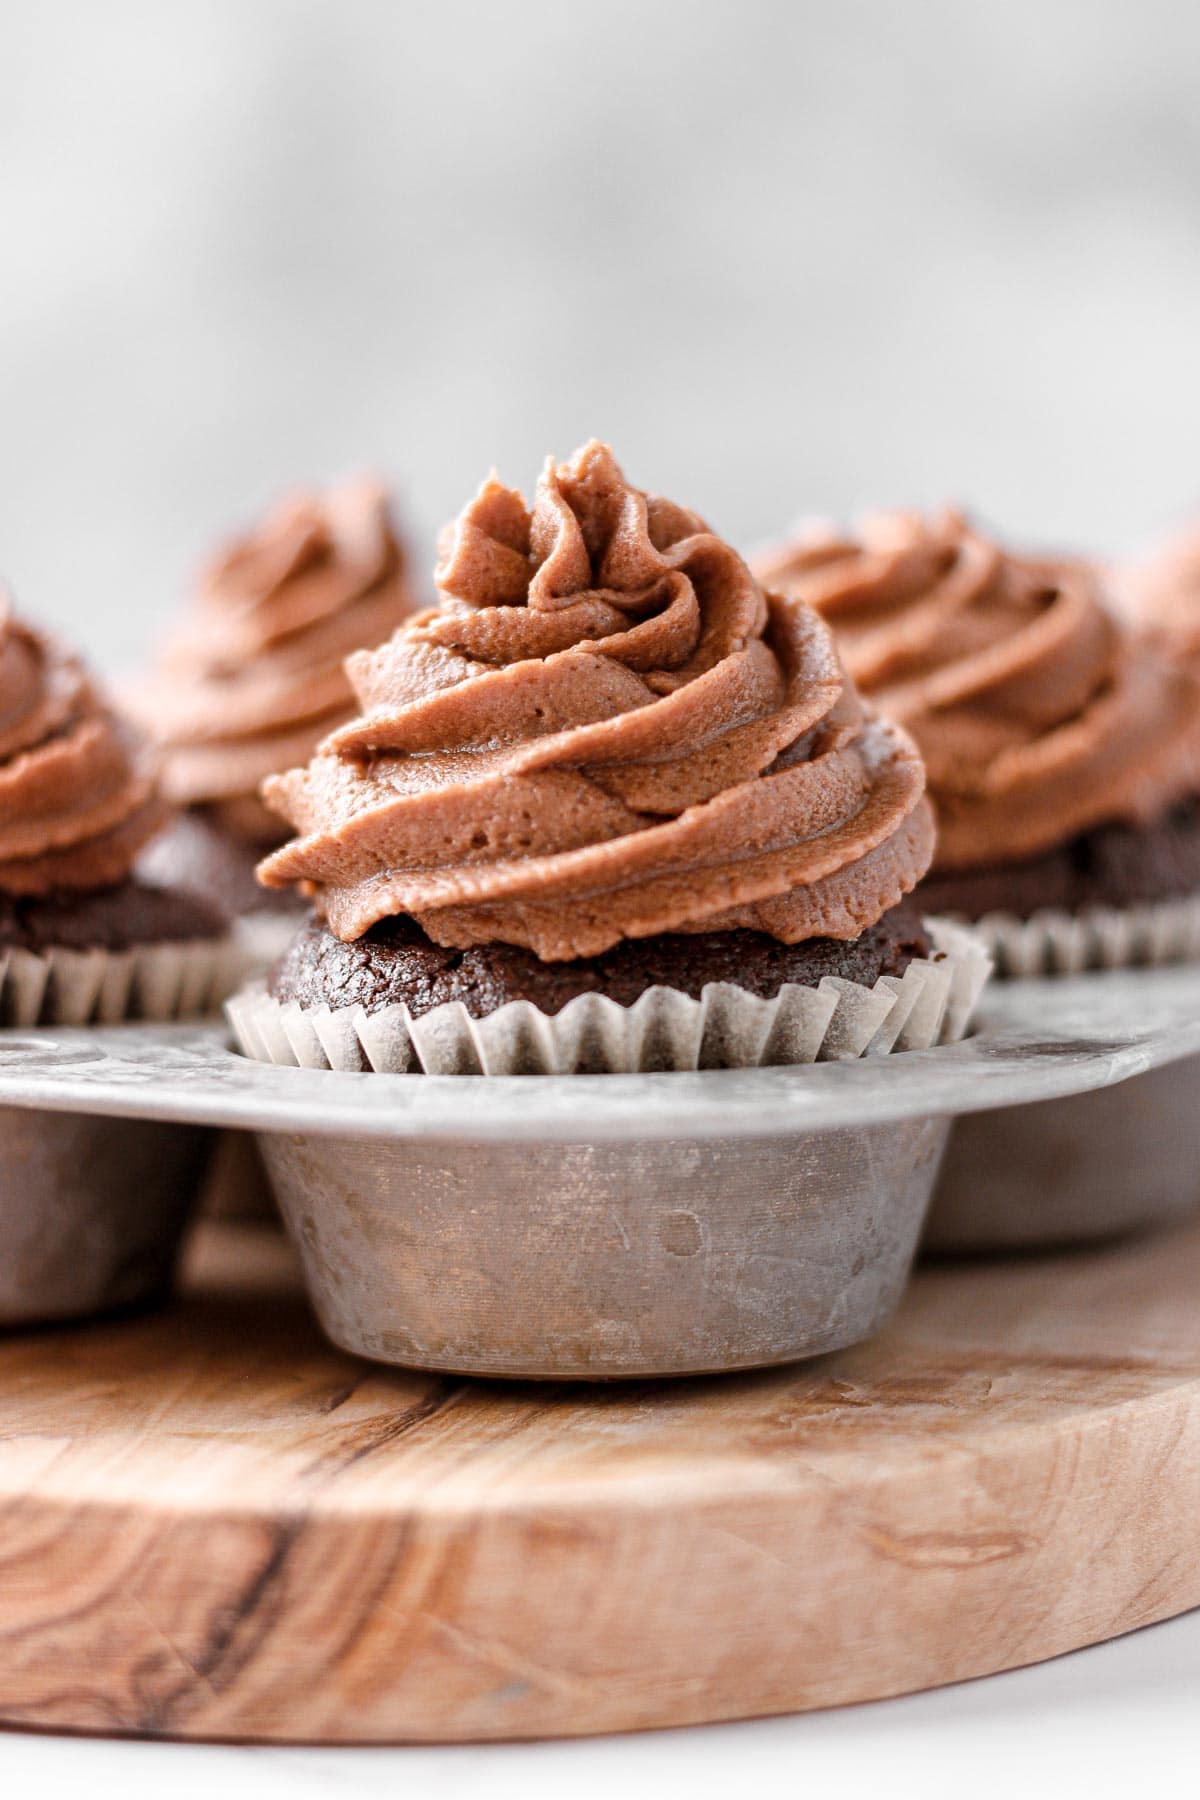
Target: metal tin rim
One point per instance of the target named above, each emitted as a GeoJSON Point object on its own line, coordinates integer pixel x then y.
{"type": "Point", "coordinates": [1035, 1040]}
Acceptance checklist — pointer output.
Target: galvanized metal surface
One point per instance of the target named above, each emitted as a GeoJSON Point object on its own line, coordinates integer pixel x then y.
{"type": "Point", "coordinates": [1074, 1170]}
{"type": "Point", "coordinates": [1034, 1040]}
{"type": "Point", "coordinates": [590, 1262]}
{"type": "Point", "coordinates": [91, 1211]}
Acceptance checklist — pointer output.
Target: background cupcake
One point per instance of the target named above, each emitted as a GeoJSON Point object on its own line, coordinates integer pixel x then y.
{"type": "Point", "coordinates": [608, 805]}
{"type": "Point", "coordinates": [253, 676]}
{"type": "Point", "coordinates": [81, 936]}
{"type": "Point", "coordinates": [1063, 755]}
{"type": "Point", "coordinates": [1160, 594]}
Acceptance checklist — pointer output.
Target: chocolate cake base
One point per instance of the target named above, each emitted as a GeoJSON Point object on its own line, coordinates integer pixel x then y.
{"type": "Point", "coordinates": [396, 963]}
{"type": "Point", "coordinates": [116, 918]}
{"type": "Point", "coordinates": [197, 853]}
{"type": "Point", "coordinates": [1115, 865]}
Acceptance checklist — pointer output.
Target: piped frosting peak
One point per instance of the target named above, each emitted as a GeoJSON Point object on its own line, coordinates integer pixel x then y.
{"type": "Point", "coordinates": [606, 729]}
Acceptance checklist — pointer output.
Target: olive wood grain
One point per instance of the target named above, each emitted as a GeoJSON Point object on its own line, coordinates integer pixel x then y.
{"type": "Point", "coordinates": [214, 1525]}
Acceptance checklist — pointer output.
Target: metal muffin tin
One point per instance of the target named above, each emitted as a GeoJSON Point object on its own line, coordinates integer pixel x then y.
{"type": "Point", "coordinates": [92, 1211]}
{"type": "Point", "coordinates": [653, 1256]}
{"type": "Point", "coordinates": [1086, 1166]}
{"type": "Point", "coordinates": [611, 1225]}
{"type": "Point", "coordinates": [1072, 1171]}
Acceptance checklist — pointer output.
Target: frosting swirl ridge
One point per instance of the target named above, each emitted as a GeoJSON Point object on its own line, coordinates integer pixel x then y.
{"type": "Point", "coordinates": [605, 730]}
{"type": "Point", "coordinates": [1038, 715]}
{"type": "Point", "coordinates": [254, 678]}
{"type": "Point", "coordinates": [77, 792]}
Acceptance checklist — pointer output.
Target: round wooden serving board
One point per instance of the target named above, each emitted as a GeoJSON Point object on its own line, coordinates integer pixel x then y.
{"type": "Point", "coordinates": [213, 1525]}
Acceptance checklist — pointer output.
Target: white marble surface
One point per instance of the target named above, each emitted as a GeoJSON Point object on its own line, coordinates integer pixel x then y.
{"type": "Point", "coordinates": [789, 255]}
{"type": "Point", "coordinates": [1119, 1720]}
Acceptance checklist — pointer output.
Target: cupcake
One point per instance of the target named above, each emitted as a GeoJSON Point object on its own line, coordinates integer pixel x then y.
{"type": "Point", "coordinates": [1063, 753]}
{"type": "Point", "coordinates": [608, 805]}
{"type": "Point", "coordinates": [82, 937]}
{"type": "Point", "coordinates": [253, 678]}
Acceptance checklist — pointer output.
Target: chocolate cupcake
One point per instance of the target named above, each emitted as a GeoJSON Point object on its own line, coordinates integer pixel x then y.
{"type": "Point", "coordinates": [81, 936]}
{"type": "Point", "coordinates": [609, 805]}
{"type": "Point", "coordinates": [1063, 753]}
{"type": "Point", "coordinates": [254, 678]}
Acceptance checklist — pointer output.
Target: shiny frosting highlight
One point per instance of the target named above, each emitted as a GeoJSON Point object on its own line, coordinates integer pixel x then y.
{"type": "Point", "coordinates": [255, 677]}
{"type": "Point", "coordinates": [77, 794]}
{"type": "Point", "coordinates": [1161, 595]}
{"type": "Point", "coordinates": [1038, 714]}
{"type": "Point", "coordinates": [605, 730]}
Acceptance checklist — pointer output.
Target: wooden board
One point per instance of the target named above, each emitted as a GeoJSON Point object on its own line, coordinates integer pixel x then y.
{"type": "Point", "coordinates": [211, 1524]}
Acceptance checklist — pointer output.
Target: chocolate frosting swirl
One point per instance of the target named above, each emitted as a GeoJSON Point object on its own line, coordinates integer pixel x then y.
{"type": "Point", "coordinates": [1037, 713]}
{"type": "Point", "coordinates": [77, 795]}
{"type": "Point", "coordinates": [605, 730]}
{"type": "Point", "coordinates": [255, 677]}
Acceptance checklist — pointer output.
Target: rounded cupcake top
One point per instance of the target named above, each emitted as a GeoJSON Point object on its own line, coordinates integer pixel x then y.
{"type": "Point", "coordinates": [605, 730]}
{"type": "Point", "coordinates": [77, 793]}
{"type": "Point", "coordinates": [1037, 713]}
{"type": "Point", "coordinates": [254, 677]}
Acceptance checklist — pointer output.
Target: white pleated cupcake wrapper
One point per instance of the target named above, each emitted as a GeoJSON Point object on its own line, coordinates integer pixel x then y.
{"type": "Point", "coordinates": [727, 1027]}
{"type": "Point", "coordinates": [84, 987]}
{"type": "Point", "coordinates": [1061, 943]}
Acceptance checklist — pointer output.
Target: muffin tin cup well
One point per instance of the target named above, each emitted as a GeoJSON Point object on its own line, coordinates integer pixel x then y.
{"type": "Point", "coordinates": [594, 1225]}
{"type": "Point", "coordinates": [592, 1262]}
{"type": "Point", "coordinates": [1082, 1169]}
{"type": "Point", "coordinates": [92, 1211]}
{"type": "Point", "coordinates": [1072, 1171]}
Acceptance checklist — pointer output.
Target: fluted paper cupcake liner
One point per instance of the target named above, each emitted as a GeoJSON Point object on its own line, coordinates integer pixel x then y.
{"type": "Point", "coordinates": [1052, 942]}
{"type": "Point", "coordinates": [151, 981]}
{"type": "Point", "coordinates": [726, 1027]}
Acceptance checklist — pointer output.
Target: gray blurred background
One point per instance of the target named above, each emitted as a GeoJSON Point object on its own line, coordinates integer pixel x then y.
{"type": "Point", "coordinates": [788, 257]}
